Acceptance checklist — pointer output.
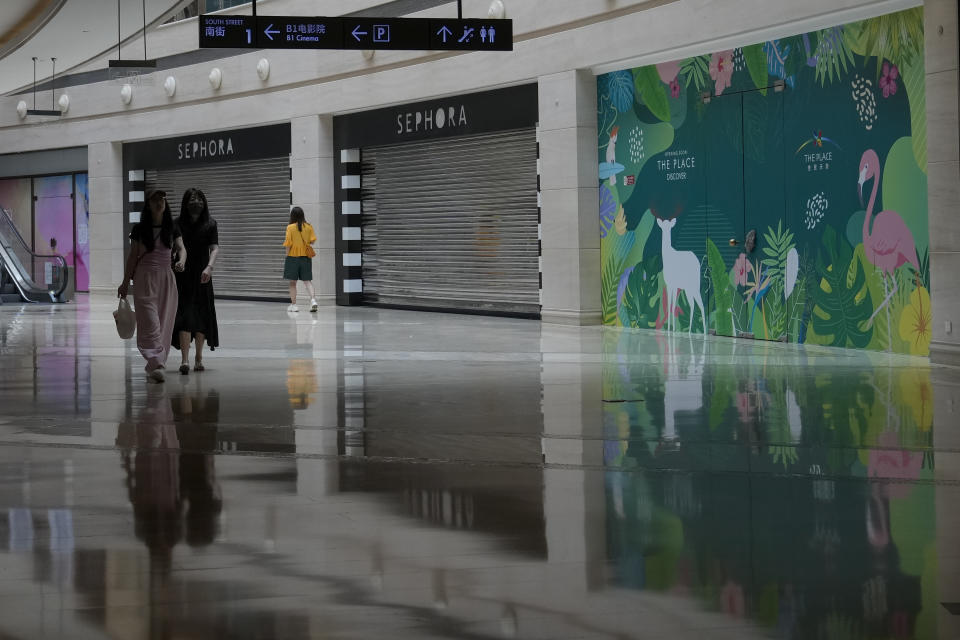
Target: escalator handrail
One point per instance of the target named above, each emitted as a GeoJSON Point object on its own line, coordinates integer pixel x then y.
{"type": "Point", "coordinates": [55, 256]}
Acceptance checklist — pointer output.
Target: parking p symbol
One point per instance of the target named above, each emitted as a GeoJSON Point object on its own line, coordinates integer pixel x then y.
{"type": "Point", "coordinates": [381, 33]}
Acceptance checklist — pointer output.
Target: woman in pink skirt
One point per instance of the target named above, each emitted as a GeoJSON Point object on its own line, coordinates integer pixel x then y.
{"type": "Point", "coordinates": [154, 287]}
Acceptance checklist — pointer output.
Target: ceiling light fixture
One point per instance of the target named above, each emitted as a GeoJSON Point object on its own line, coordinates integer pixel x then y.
{"type": "Point", "coordinates": [133, 64]}
{"type": "Point", "coordinates": [53, 111]}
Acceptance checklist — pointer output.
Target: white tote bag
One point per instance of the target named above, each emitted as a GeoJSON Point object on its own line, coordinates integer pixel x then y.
{"type": "Point", "coordinates": [126, 319]}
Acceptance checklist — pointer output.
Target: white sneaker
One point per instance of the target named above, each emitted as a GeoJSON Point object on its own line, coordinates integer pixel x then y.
{"type": "Point", "coordinates": [313, 306]}
{"type": "Point", "coordinates": [293, 308]}
{"type": "Point", "coordinates": [157, 375]}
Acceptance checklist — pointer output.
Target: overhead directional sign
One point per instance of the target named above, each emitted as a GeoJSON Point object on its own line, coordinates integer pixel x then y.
{"type": "Point", "coordinates": [228, 31]}
{"type": "Point", "coordinates": [471, 35]}
{"type": "Point", "coordinates": [298, 32]}
{"type": "Point", "coordinates": [285, 32]}
{"type": "Point", "coordinates": [385, 33]}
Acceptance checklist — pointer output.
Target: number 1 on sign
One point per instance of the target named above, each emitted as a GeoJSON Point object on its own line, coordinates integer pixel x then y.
{"type": "Point", "coordinates": [249, 36]}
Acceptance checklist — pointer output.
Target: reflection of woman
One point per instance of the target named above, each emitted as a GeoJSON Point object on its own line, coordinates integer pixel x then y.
{"type": "Point", "coordinates": [196, 315]}
{"type": "Point", "coordinates": [153, 477]}
{"type": "Point", "coordinates": [171, 480]}
{"type": "Point", "coordinates": [301, 382]}
{"type": "Point", "coordinates": [196, 416]}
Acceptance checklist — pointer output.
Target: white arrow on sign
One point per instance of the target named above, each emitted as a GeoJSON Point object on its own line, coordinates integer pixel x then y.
{"type": "Point", "coordinates": [444, 33]}
{"type": "Point", "coordinates": [356, 33]}
{"type": "Point", "coordinates": [270, 32]}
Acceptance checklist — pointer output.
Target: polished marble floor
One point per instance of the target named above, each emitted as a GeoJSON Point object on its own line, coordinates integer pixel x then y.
{"type": "Point", "coordinates": [364, 473]}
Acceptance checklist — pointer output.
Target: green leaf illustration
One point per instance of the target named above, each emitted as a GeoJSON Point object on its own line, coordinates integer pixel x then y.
{"type": "Point", "coordinates": [722, 290]}
{"type": "Point", "coordinates": [641, 300]}
{"type": "Point", "coordinates": [844, 303]}
{"type": "Point", "coordinates": [833, 55]}
{"type": "Point", "coordinates": [925, 267]}
{"type": "Point", "coordinates": [897, 37]}
{"type": "Point", "coordinates": [778, 245]}
{"type": "Point", "coordinates": [756, 59]}
{"type": "Point", "coordinates": [696, 70]}
{"type": "Point", "coordinates": [612, 269]}
{"type": "Point", "coordinates": [652, 92]}
{"type": "Point", "coordinates": [799, 304]}
{"type": "Point", "coordinates": [914, 81]}
{"type": "Point", "coordinates": [724, 397]}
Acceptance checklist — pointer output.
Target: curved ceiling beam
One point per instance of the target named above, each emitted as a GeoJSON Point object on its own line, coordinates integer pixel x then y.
{"type": "Point", "coordinates": [29, 25]}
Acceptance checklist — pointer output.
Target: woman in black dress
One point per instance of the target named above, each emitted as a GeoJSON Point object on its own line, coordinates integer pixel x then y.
{"type": "Point", "coordinates": [196, 316]}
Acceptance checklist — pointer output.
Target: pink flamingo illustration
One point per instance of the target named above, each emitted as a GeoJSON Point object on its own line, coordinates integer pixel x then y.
{"type": "Point", "coordinates": [890, 245]}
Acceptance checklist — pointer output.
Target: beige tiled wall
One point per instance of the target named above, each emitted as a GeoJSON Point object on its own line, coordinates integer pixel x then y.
{"type": "Point", "coordinates": [569, 213]}
{"type": "Point", "coordinates": [943, 167]}
{"type": "Point", "coordinates": [107, 199]}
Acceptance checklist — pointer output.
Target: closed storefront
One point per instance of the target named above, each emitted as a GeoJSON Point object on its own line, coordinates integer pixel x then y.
{"type": "Point", "coordinates": [439, 206]}
{"type": "Point", "coordinates": [245, 176]}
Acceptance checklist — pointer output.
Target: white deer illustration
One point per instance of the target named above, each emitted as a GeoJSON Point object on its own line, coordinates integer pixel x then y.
{"type": "Point", "coordinates": [681, 272]}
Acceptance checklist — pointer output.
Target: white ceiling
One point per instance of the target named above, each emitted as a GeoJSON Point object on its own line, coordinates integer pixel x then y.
{"type": "Point", "coordinates": [72, 31]}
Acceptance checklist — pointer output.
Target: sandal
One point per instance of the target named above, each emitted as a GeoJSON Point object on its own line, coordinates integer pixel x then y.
{"type": "Point", "coordinates": [198, 366]}
{"type": "Point", "coordinates": [184, 369]}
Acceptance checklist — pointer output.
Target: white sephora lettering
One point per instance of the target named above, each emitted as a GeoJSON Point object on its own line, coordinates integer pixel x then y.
{"type": "Point", "coordinates": [209, 148]}
{"type": "Point", "coordinates": [431, 120]}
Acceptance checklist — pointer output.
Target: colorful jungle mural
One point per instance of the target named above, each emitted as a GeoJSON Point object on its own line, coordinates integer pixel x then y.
{"type": "Point", "coordinates": [786, 183]}
{"type": "Point", "coordinates": [802, 503]}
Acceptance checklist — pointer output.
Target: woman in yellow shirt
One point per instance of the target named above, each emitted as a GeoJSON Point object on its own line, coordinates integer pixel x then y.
{"type": "Point", "coordinates": [299, 265]}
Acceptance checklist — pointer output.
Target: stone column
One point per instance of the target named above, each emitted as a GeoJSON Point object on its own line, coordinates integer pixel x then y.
{"type": "Point", "coordinates": [570, 210]}
{"type": "Point", "coordinates": [316, 423]}
{"type": "Point", "coordinates": [943, 171]}
{"type": "Point", "coordinates": [574, 498]}
{"type": "Point", "coordinates": [943, 188]}
{"type": "Point", "coordinates": [311, 184]}
{"type": "Point", "coordinates": [108, 203]}
{"type": "Point", "coordinates": [946, 443]}
{"type": "Point", "coordinates": [107, 199]}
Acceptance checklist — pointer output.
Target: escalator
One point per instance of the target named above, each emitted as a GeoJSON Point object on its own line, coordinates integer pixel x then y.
{"type": "Point", "coordinates": [25, 275]}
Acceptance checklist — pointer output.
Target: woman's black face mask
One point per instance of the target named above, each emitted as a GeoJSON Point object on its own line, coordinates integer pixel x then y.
{"type": "Point", "coordinates": [195, 205]}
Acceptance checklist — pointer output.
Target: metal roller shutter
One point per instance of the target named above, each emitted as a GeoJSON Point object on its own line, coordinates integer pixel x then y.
{"type": "Point", "coordinates": [251, 203]}
{"type": "Point", "coordinates": [453, 223]}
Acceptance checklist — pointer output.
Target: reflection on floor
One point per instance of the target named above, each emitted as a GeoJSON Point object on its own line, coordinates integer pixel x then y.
{"type": "Point", "coordinates": [362, 473]}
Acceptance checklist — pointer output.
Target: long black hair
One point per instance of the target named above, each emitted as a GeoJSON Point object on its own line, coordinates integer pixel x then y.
{"type": "Point", "coordinates": [297, 217]}
{"type": "Point", "coordinates": [186, 223]}
{"type": "Point", "coordinates": [143, 232]}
